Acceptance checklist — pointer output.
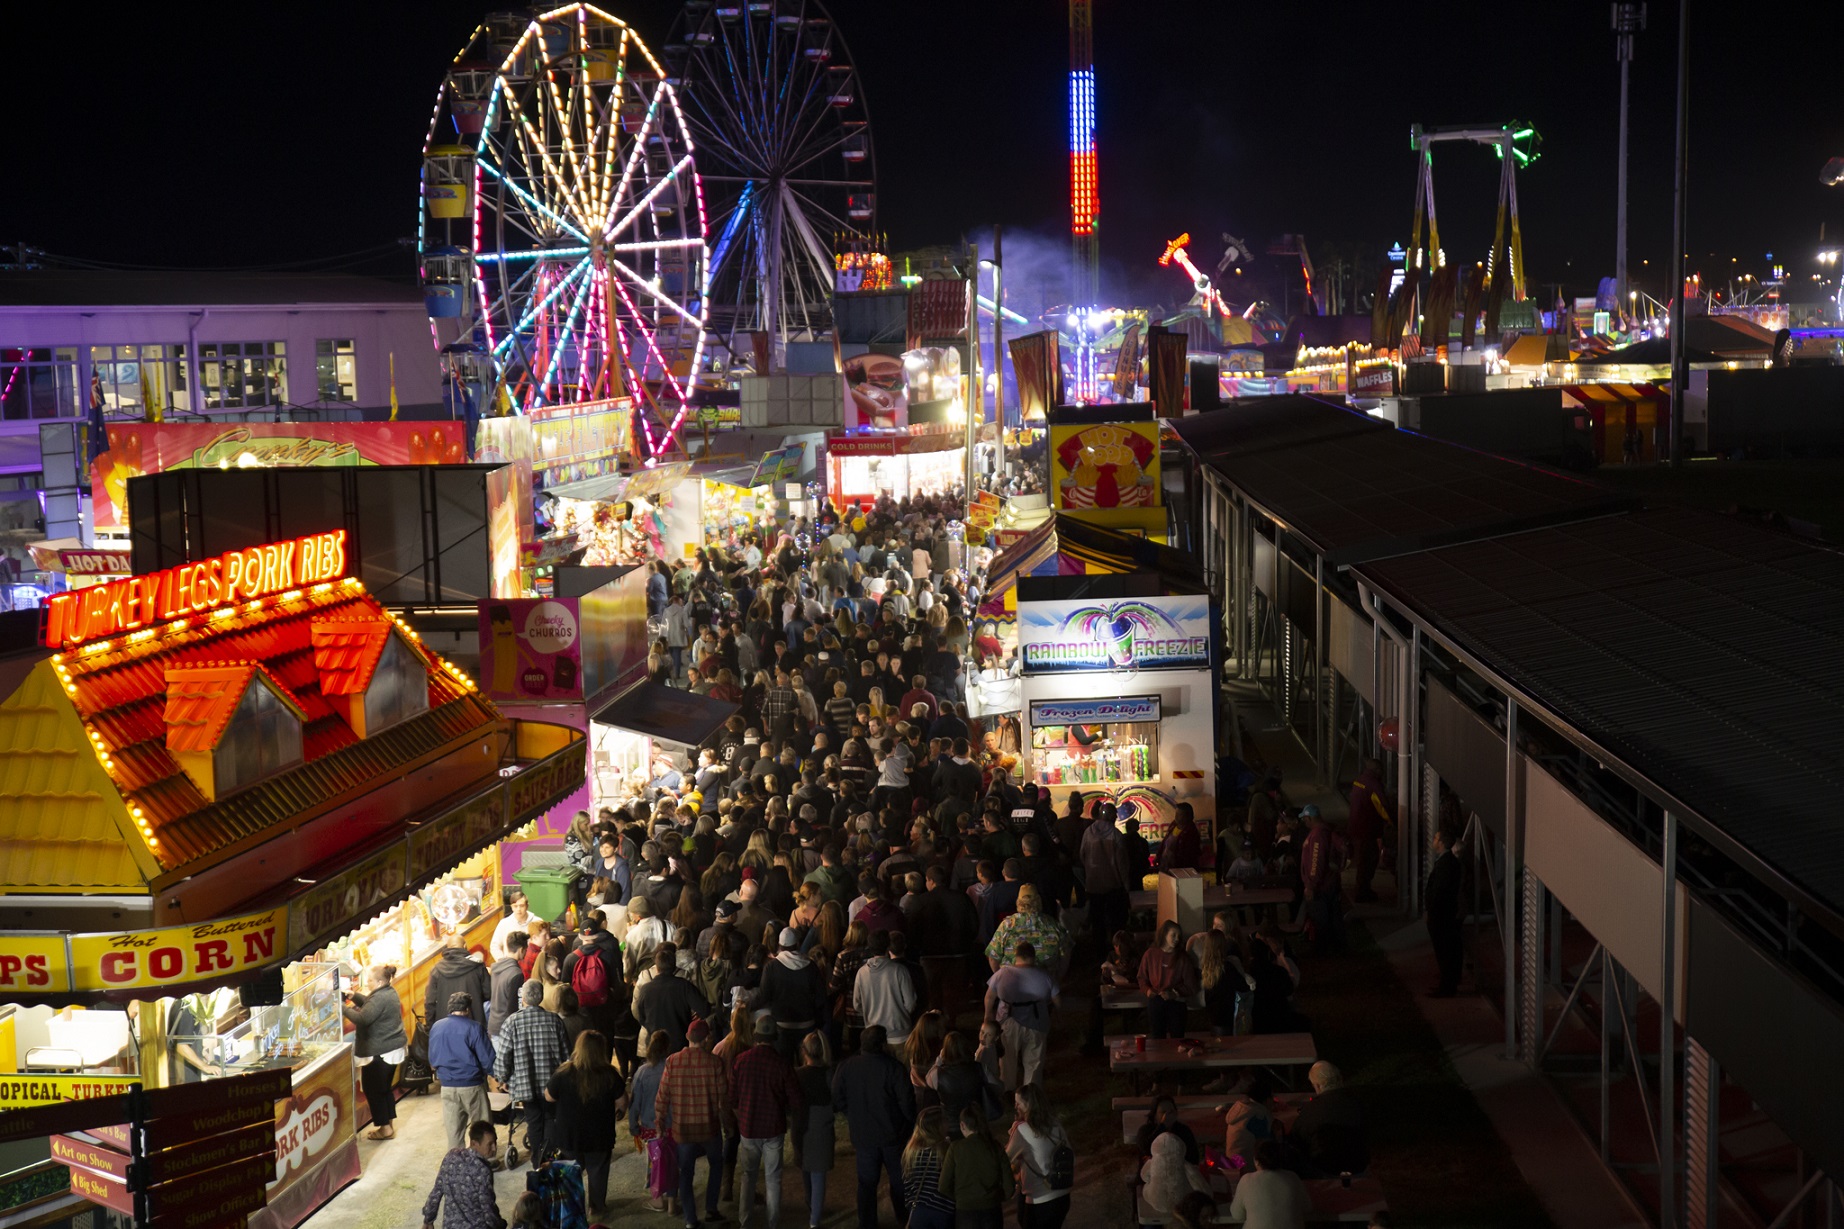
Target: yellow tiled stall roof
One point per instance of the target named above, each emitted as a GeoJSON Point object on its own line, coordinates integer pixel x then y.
{"type": "Point", "coordinates": [96, 799]}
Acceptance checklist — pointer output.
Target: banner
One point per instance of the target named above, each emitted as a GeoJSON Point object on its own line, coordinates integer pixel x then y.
{"type": "Point", "coordinates": [530, 650]}
{"type": "Point", "coordinates": [1094, 712]}
{"type": "Point", "coordinates": [22, 1091]}
{"type": "Point", "coordinates": [1038, 370]}
{"type": "Point", "coordinates": [1127, 363]}
{"type": "Point", "coordinates": [1166, 633]}
{"type": "Point", "coordinates": [879, 390]}
{"type": "Point", "coordinates": [1165, 372]}
{"type": "Point", "coordinates": [781, 465]}
{"type": "Point", "coordinates": [1105, 465]}
{"type": "Point", "coordinates": [153, 448]}
{"type": "Point", "coordinates": [154, 959]}
{"type": "Point", "coordinates": [937, 311]}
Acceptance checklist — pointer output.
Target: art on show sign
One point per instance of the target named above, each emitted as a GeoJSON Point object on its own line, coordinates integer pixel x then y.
{"type": "Point", "coordinates": [154, 448]}
{"type": "Point", "coordinates": [99, 611]}
{"type": "Point", "coordinates": [1094, 712]}
{"type": "Point", "coordinates": [1164, 633]}
{"type": "Point", "coordinates": [531, 649]}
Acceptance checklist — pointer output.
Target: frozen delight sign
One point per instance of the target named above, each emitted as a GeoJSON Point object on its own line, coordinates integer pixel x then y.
{"type": "Point", "coordinates": [1164, 633]}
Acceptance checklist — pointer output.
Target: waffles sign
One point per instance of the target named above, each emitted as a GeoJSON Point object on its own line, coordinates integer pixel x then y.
{"type": "Point", "coordinates": [101, 611]}
{"type": "Point", "coordinates": [1141, 634]}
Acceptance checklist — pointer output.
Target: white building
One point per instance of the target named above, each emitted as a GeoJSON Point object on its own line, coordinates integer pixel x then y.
{"type": "Point", "coordinates": [226, 346]}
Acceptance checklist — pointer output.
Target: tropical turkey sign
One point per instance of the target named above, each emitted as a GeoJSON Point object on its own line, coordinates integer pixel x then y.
{"type": "Point", "coordinates": [1164, 633]}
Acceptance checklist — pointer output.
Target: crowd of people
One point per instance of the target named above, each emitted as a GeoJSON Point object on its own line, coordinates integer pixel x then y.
{"type": "Point", "coordinates": [841, 917]}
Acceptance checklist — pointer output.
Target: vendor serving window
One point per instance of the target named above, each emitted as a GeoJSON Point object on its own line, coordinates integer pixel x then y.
{"type": "Point", "coordinates": [1095, 742]}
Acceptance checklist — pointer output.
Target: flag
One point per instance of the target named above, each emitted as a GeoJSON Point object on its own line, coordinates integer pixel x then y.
{"type": "Point", "coordinates": [151, 409]}
{"type": "Point", "coordinates": [393, 386]}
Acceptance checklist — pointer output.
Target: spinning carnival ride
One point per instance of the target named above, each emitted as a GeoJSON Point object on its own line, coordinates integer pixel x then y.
{"type": "Point", "coordinates": [562, 226]}
{"type": "Point", "coordinates": [784, 140]}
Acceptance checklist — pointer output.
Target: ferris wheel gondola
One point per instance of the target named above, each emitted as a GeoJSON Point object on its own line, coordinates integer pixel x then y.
{"type": "Point", "coordinates": [784, 138]}
{"type": "Point", "coordinates": [562, 223]}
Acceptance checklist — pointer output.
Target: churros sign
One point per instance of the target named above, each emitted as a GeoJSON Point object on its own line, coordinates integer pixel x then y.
{"type": "Point", "coordinates": [104, 610]}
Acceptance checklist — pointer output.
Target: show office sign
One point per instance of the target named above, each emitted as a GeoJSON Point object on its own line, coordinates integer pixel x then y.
{"type": "Point", "coordinates": [1167, 633]}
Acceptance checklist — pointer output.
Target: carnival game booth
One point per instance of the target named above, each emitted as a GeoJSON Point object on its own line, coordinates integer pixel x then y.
{"type": "Point", "coordinates": [215, 776]}
{"type": "Point", "coordinates": [1119, 697]}
{"type": "Point", "coordinates": [863, 466]}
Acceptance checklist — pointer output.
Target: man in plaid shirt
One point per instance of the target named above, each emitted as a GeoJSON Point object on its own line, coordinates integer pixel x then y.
{"type": "Point", "coordinates": [767, 1100]}
{"type": "Point", "coordinates": [533, 1044]}
{"type": "Point", "coordinates": [693, 1102]}
{"type": "Point", "coordinates": [777, 703]}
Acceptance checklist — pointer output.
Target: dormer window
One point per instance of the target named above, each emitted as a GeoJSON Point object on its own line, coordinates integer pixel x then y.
{"type": "Point", "coordinates": [230, 725]}
{"type": "Point", "coordinates": [369, 674]}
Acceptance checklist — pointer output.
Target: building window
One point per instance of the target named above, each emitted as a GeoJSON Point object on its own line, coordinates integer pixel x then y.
{"type": "Point", "coordinates": [38, 382]}
{"type": "Point", "coordinates": [261, 739]}
{"type": "Point", "coordinates": [238, 375]}
{"type": "Point", "coordinates": [336, 370]}
{"type": "Point", "coordinates": [399, 687]}
{"type": "Point", "coordinates": [124, 378]}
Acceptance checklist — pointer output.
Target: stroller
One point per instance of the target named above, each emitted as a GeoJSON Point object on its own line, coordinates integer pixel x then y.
{"type": "Point", "coordinates": [506, 1113]}
{"type": "Point", "coordinates": [416, 1074]}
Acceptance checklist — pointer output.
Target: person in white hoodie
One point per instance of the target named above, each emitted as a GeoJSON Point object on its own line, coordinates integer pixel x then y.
{"type": "Point", "coordinates": [1270, 1197]}
{"type": "Point", "coordinates": [793, 991]}
{"type": "Point", "coordinates": [1032, 1147]}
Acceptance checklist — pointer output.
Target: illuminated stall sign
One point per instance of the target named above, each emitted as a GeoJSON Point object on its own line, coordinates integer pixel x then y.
{"type": "Point", "coordinates": [99, 611]}
{"type": "Point", "coordinates": [1136, 634]}
{"type": "Point", "coordinates": [1094, 712]}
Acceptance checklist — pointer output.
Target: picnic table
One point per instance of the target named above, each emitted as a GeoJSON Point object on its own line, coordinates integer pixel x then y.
{"type": "Point", "coordinates": [1203, 1052]}
{"type": "Point", "coordinates": [1332, 1202]}
{"type": "Point", "coordinates": [1202, 1112]}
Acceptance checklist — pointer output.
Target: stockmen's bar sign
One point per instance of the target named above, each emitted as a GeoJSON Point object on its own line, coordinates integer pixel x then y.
{"type": "Point", "coordinates": [20, 1091]}
{"type": "Point", "coordinates": [1166, 633]}
{"type": "Point", "coordinates": [178, 954]}
{"type": "Point", "coordinates": [1094, 712]}
{"type": "Point", "coordinates": [99, 611]}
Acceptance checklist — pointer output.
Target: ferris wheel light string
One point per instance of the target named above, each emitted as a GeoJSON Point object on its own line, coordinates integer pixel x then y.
{"type": "Point", "coordinates": [652, 343]}
{"type": "Point", "coordinates": [632, 215]}
{"type": "Point", "coordinates": [576, 271]}
{"type": "Point", "coordinates": [667, 299]}
{"type": "Point", "coordinates": [530, 136]}
{"type": "Point", "coordinates": [568, 331]}
{"type": "Point", "coordinates": [633, 159]}
{"type": "Point", "coordinates": [530, 200]}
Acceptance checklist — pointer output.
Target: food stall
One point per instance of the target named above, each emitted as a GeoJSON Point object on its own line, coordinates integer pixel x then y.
{"type": "Point", "coordinates": [218, 771]}
{"type": "Point", "coordinates": [1119, 700]}
{"type": "Point", "coordinates": [864, 465]}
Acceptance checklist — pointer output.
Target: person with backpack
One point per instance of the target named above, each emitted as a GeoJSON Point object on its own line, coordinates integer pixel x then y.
{"type": "Point", "coordinates": [1045, 1161]}
{"type": "Point", "coordinates": [1019, 998]}
{"type": "Point", "coordinates": [593, 971]}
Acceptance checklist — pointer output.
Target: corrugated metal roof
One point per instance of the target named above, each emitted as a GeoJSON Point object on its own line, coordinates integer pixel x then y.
{"type": "Point", "coordinates": [122, 696]}
{"type": "Point", "coordinates": [1376, 494]}
{"type": "Point", "coordinates": [1706, 654]}
{"type": "Point", "coordinates": [200, 701]}
{"type": "Point", "coordinates": [1257, 424]}
{"type": "Point", "coordinates": [62, 827]}
{"type": "Point", "coordinates": [346, 651]}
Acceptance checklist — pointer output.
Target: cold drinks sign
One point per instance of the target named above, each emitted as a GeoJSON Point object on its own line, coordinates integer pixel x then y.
{"type": "Point", "coordinates": [100, 611]}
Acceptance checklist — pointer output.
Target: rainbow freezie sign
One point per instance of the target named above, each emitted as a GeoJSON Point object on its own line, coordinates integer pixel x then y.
{"type": "Point", "coordinates": [1168, 633]}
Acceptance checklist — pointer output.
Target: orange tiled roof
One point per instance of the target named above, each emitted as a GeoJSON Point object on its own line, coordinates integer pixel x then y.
{"type": "Point", "coordinates": [201, 699]}
{"type": "Point", "coordinates": [120, 695]}
{"type": "Point", "coordinates": [346, 651]}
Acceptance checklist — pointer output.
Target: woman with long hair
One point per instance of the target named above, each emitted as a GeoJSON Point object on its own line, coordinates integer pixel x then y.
{"type": "Point", "coordinates": [976, 1175]}
{"type": "Point", "coordinates": [689, 916]}
{"type": "Point", "coordinates": [930, 1207]}
{"type": "Point", "coordinates": [815, 1144]}
{"type": "Point", "coordinates": [758, 852]}
{"type": "Point", "coordinates": [741, 1036]}
{"type": "Point", "coordinates": [923, 1045]}
{"type": "Point", "coordinates": [585, 1091]}
{"type": "Point", "coordinates": [874, 700]}
{"type": "Point", "coordinates": [1168, 979]}
{"type": "Point", "coordinates": [830, 926]}
{"type": "Point", "coordinates": [1036, 1135]}
{"type": "Point", "coordinates": [852, 954]}
{"type": "Point", "coordinates": [958, 1078]}
{"type": "Point", "coordinates": [1219, 974]}
{"type": "Point", "coordinates": [720, 878]}
{"type": "Point", "coordinates": [550, 964]}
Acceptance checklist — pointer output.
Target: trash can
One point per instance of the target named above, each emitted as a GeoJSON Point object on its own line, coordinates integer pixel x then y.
{"type": "Point", "coordinates": [547, 889]}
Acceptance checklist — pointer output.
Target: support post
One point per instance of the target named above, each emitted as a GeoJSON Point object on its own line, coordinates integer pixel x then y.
{"type": "Point", "coordinates": [1667, 1035]}
{"type": "Point", "coordinates": [1680, 236]}
{"type": "Point", "coordinates": [1318, 662]}
{"type": "Point", "coordinates": [1702, 1132]}
{"type": "Point", "coordinates": [1513, 867]}
{"type": "Point", "coordinates": [1533, 985]}
{"type": "Point", "coordinates": [1411, 862]}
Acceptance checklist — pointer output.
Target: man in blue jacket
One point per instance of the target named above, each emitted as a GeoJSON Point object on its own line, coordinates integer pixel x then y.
{"type": "Point", "coordinates": [462, 1056]}
{"type": "Point", "coordinates": [873, 1091]}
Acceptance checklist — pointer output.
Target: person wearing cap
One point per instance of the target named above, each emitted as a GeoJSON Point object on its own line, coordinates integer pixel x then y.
{"type": "Point", "coordinates": [668, 1003]}
{"type": "Point", "coordinates": [793, 991]}
{"type": "Point", "coordinates": [721, 939]}
{"type": "Point", "coordinates": [694, 1099]}
{"type": "Point", "coordinates": [768, 1101]}
{"type": "Point", "coordinates": [461, 1054]}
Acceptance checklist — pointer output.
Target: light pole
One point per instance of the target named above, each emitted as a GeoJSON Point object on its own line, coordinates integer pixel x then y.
{"type": "Point", "coordinates": [1680, 361]}
{"type": "Point", "coordinates": [998, 346]}
{"type": "Point", "coordinates": [1628, 19]}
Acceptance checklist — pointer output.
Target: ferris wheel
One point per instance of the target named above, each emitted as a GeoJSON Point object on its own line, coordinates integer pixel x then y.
{"type": "Point", "coordinates": [562, 226]}
{"type": "Point", "coordinates": [784, 140]}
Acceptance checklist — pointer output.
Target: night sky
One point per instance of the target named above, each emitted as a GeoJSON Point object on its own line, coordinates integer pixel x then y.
{"type": "Point", "coordinates": [226, 135]}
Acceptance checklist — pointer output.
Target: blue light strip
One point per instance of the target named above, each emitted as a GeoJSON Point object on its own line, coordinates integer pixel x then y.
{"type": "Point", "coordinates": [732, 226]}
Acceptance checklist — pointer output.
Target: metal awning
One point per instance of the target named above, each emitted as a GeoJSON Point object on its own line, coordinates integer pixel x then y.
{"type": "Point", "coordinates": [1257, 424]}
{"type": "Point", "coordinates": [1704, 654]}
{"type": "Point", "coordinates": [665, 712]}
